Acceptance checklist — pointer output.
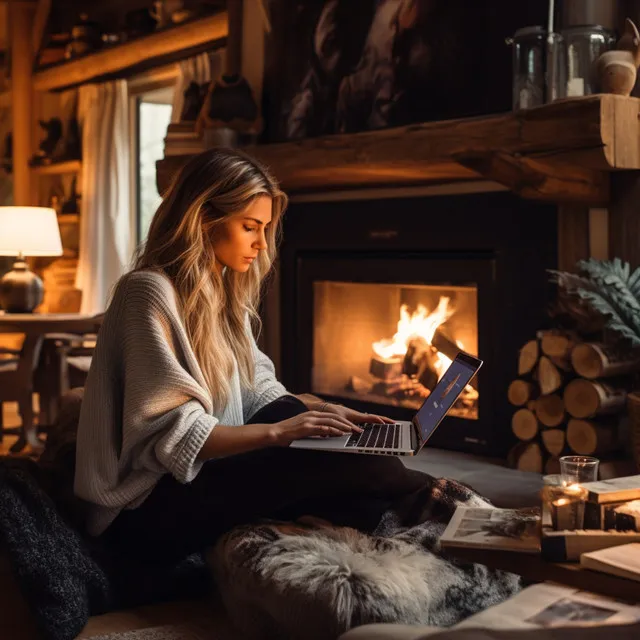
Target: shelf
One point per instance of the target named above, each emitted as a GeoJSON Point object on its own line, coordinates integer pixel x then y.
{"type": "Point", "coordinates": [120, 57]}
{"type": "Point", "coordinates": [58, 168]}
{"type": "Point", "coordinates": [561, 152]}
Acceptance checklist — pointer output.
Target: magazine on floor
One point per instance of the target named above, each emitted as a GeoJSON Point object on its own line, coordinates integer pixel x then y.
{"type": "Point", "coordinates": [500, 529]}
{"type": "Point", "coordinates": [552, 605]}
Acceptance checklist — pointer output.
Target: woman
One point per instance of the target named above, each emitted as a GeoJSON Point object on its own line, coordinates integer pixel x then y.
{"type": "Point", "coordinates": [184, 428]}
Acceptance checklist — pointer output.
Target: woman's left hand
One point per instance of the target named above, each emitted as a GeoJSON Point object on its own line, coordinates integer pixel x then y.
{"type": "Point", "coordinates": [357, 417]}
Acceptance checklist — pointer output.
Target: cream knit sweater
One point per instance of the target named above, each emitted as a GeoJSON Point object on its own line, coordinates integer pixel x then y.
{"type": "Point", "coordinates": [146, 411]}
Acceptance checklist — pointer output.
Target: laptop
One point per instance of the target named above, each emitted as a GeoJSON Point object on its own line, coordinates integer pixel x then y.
{"type": "Point", "coordinates": [404, 438]}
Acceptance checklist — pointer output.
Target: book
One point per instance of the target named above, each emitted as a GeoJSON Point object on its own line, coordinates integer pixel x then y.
{"type": "Point", "coordinates": [614, 490]}
{"type": "Point", "coordinates": [622, 561]}
{"type": "Point", "coordinates": [568, 546]}
{"type": "Point", "coordinates": [552, 605]}
{"type": "Point", "coordinates": [500, 529]}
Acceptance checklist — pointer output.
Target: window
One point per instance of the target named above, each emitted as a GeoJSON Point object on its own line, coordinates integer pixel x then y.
{"type": "Point", "coordinates": [151, 116]}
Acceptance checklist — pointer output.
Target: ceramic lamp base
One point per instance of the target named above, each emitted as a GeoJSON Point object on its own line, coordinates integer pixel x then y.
{"type": "Point", "coordinates": [21, 290]}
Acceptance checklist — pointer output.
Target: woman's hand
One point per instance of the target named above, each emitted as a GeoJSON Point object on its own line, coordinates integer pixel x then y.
{"type": "Point", "coordinates": [311, 423]}
{"type": "Point", "coordinates": [354, 416]}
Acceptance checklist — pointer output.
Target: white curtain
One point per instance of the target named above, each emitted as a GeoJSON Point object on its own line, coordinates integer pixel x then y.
{"type": "Point", "coordinates": [105, 238]}
{"type": "Point", "coordinates": [201, 68]}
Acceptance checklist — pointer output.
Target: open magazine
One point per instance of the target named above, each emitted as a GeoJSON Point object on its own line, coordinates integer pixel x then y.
{"type": "Point", "coordinates": [552, 605]}
{"type": "Point", "coordinates": [487, 528]}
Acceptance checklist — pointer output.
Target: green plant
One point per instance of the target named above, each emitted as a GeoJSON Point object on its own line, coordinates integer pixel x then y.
{"type": "Point", "coordinates": [603, 294]}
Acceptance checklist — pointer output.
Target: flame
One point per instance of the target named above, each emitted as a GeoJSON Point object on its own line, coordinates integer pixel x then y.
{"type": "Point", "coordinates": [421, 323]}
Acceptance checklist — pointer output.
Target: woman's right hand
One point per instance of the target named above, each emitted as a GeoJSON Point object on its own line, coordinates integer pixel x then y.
{"type": "Point", "coordinates": [311, 423]}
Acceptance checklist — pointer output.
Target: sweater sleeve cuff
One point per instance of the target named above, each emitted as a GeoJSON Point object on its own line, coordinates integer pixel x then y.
{"type": "Point", "coordinates": [186, 464]}
{"type": "Point", "coordinates": [275, 391]}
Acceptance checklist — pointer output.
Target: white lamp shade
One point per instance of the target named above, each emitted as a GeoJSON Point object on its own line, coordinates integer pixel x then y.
{"type": "Point", "coordinates": [30, 231]}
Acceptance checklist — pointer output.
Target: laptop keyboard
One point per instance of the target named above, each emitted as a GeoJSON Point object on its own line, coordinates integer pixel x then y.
{"type": "Point", "coordinates": [376, 436]}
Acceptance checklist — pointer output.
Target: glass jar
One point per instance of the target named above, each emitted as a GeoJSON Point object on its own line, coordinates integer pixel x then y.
{"type": "Point", "coordinates": [582, 46]}
{"type": "Point", "coordinates": [538, 69]}
{"type": "Point", "coordinates": [528, 46]}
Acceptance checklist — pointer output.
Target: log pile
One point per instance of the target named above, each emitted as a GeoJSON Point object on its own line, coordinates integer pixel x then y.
{"type": "Point", "coordinates": [569, 398]}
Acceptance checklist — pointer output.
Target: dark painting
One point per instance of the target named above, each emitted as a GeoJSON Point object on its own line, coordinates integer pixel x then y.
{"type": "Point", "coordinates": [342, 66]}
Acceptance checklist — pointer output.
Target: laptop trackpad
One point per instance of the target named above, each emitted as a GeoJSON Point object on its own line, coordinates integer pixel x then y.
{"type": "Point", "coordinates": [339, 442]}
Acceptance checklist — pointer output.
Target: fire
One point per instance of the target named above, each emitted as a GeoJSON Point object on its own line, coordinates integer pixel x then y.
{"type": "Point", "coordinates": [420, 324]}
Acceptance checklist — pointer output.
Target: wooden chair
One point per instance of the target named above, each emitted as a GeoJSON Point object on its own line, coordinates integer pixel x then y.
{"type": "Point", "coordinates": [16, 373]}
{"type": "Point", "coordinates": [64, 364]}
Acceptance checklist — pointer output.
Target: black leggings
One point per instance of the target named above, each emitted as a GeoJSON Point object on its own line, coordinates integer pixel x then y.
{"type": "Point", "coordinates": [281, 483]}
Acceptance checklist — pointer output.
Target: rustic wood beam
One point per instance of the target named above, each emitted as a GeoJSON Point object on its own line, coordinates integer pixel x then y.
{"type": "Point", "coordinates": [539, 180]}
{"type": "Point", "coordinates": [43, 8]}
{"type": "Point", "coordinates": [558, 152]}
{"type": "Point", "coordinates": [120, 57]}
{"type": "Point", "coordinates": [20, 17]}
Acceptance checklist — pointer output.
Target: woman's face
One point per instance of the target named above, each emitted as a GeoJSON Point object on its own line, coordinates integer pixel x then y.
{"type": "Point", "coordinates": [237, 243]}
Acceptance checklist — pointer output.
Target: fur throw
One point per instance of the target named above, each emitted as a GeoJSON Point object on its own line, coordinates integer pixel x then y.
{"type": "Point", "coordinates": [314, 581]}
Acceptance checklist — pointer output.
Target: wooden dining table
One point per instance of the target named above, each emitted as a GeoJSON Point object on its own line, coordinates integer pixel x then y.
{"type": "Point", "coordinates": [35, 327]}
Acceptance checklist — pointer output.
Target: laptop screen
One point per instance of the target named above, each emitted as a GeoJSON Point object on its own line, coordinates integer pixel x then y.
{"type": "Point", "coordinates": [445, 393]}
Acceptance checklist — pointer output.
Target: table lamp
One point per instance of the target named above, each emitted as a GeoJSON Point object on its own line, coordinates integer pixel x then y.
{"type": "Point", "coordinates": [26, 231]}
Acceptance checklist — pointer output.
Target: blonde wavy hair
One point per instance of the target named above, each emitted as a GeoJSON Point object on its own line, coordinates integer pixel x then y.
{"type": "Point", "coordinates": [210, 189]}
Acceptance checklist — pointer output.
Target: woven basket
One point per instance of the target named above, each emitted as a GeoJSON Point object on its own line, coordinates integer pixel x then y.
{"type": "Point", "coordinates": [633, 406]}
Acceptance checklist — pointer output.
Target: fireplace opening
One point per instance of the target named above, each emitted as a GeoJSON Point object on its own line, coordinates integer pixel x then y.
{"type": "Point", "coordinates": [389, 344]}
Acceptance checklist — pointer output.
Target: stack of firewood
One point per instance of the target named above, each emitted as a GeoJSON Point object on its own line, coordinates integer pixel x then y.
{"type": "Point", "coordinates": [570, 397]}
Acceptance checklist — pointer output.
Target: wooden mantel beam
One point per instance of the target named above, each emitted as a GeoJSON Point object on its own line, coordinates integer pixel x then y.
{"type": "Point", "coordinates": [558, 152]}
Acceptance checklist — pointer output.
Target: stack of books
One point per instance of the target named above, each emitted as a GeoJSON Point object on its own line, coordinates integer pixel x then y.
{"type": "Point", "coordinates": [182, 139]}
{"type": "Point", "coordinates": [611, 518]}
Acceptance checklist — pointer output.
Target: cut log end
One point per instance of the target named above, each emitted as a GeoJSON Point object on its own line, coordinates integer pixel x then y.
{"type": "Point", "coordinates": [592, 360]}
{"type": "Point", "coordinates": [587, 438]}
{"type": "Point", "coordinates": [526, 456]}
{"type": "Point", "coordinates": [553, 441]}
{"type": "Point", "coordinates": [528, 357]}
{"type": "Point", "coordinates": [520, 393]}
{"type": "Point", "coordinates": [587, 398]}
{"type": "Point", "coordinates": [524, 424]}
{"type": "Point", "coordinates": [550, 410]}
{"type": "Point", "coordinates": [557, 344]}
{"type": "Point", "coordinates": [549, 377]}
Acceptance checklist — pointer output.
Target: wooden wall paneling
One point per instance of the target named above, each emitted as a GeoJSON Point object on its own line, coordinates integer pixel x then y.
{"type": "Point", "coordinates": [624, 217]}
{"type": "Point", "coordinates": [573, 235]}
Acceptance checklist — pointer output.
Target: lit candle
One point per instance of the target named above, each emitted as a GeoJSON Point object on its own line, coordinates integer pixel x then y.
{"type": "Point", "coordinates": [563, 515]}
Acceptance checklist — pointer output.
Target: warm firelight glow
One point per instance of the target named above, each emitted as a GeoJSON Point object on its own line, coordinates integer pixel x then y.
{"type": "Point", "coordinates": [420, 324]}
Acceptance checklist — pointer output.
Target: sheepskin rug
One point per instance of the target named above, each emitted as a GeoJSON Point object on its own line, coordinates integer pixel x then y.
{"type": "Point", "coordinates": [307, 582]}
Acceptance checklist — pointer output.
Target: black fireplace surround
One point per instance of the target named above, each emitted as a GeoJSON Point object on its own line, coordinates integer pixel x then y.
{"type": "Point", "coordinates": [496, 241]}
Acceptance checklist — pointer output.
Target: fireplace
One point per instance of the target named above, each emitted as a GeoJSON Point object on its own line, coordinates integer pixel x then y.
{"type": "Point", "coordinates": [377, 297]}
{"type": "Point", "coordinates": [391, 343]}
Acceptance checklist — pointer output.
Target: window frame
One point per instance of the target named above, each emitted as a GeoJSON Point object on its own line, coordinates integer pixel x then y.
{"type": "Point", "coordinates": [138, 86]}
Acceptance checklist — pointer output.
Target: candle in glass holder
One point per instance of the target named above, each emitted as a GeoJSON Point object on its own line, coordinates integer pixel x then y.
{"type": "Point", "coordinates": [562, 515]}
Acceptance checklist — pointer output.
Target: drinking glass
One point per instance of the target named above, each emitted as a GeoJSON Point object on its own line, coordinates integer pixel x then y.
{"type": "Point", "coordinates": [578, 469]}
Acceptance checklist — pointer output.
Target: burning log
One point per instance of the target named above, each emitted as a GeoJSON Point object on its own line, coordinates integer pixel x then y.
{"type": "Point", "coordinates": [359, 385]}
{"type": "Point", "coordinates": [553, 441]}
{"type": "Point", "coordinates": [385, 368]}
{"type": "Point", "coordinates": [521, 393]}
{"type": "Point", "coordinates": [420, 362]}
{"type": "Point", "coordinates": [594, 360]}
{"type": "Point", "coordinates": [550, 410]}
{"type": "Point", "coordinates": [528, 357]}
{"type": "Point", "coordinates": [524, 424]}
{"type": "Point", "coordinates": [588, 438]}
{"type": "Point", "coordinates": [586, 398]}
